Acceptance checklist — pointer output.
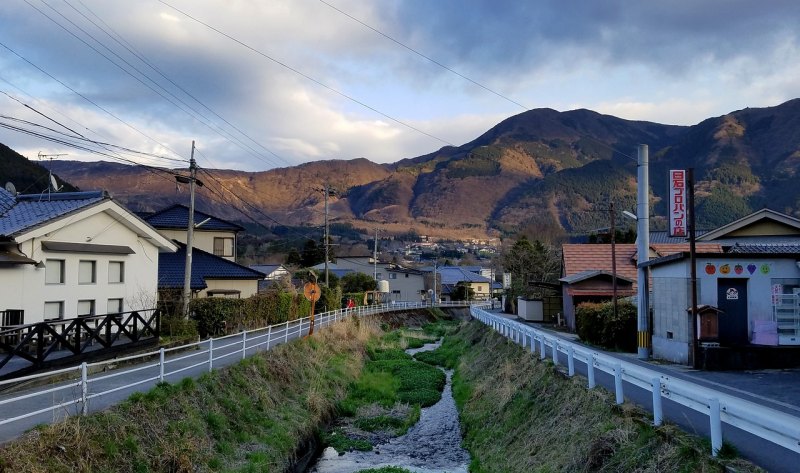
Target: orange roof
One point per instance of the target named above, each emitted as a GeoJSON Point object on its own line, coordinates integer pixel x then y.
{"type": "Point", "coordinates": [664, 249]}
{"type": "Point", "coordinates": [584, 257]}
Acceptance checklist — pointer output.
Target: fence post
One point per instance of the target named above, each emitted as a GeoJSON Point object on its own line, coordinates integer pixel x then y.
{"type": "Point", "coordinates": [533, 343]}
{"type": "Point", "coordinates": [570, 361]}
{"type": "Point", "coordinates": [269, 335]}
{"type": "Point", "coordinates": [84, 389]}
{"type": "Point", "coordinates": [555, 351]}
{"type": "Point", "coordinates": [716, 426]}
{"type": "Point", "coordinates": [286, 333]}
{"type": "Point", "coordinates": [244, 344]}
{"type": "Point", "coordinates": [161, 365]}
{"type": "Point", "coordinates": [658, 412]}
{"type": "Point", "coordinates": [590, 371]}
{"type": "Point", "coordinates": [542, 348]}
{"type": "Point", "coordinates": [523, 339]}
{"type": "Point", "coordinates": [210, 353]}
{"type": "Point", "coordinates": [618, 383]}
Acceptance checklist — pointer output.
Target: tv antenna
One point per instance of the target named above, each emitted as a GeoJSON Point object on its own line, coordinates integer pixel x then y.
{"type": "Point", "coordinates": [52, 185]}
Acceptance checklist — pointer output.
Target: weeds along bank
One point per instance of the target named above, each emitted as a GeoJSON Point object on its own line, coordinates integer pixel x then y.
{"type": "Point", "coordinates": [250, 417]}
{"type": "Point", "coordinates": [522, 415]}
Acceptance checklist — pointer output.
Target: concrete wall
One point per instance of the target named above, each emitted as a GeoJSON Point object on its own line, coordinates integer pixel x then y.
{"type": "Point", "coordinates": [410, 286]}
{"type": "Point", "coordinates": [24, 287]}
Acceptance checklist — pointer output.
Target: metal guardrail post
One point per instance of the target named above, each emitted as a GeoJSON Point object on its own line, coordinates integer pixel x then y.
{"type": "Point", "coordinates": [618, 383]}
{"type": "Point", "coordinates": [658, 412]}
{"type": "Point", "coordinates": [84, 389]}
{"type": "Point", "coordinates": [244, 344]}
{"type": "Point", "coordinates": [716, 426]}
{"type": "Point", "coordinates": [555, 351]}
{"type": "Point", "coordinates": [570, 361]}
{"type": "Point", "coordinates": [542, 348]}
{"type": "Point", "coordinates": [269, 336]}
{"type": "Point", "coordinates": [286, 333]}
{"type": "Point", "coordinates": [590, 371]}
{"type": "Point", "coordinates": [533, 344]}
{"type": "Point", "coordinates": [210, 354]}
{"type": "Point", "coordinates": [161, 365]}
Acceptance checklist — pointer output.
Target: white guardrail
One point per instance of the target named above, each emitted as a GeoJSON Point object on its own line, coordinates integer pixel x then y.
{"type": "Point", "coordinates": [768, 424]}
{"type": "Point", "coordinates": [208, 352]}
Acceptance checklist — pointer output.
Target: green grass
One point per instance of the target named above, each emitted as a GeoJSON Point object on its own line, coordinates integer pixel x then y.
{"type": "Point", "coordinates": [447, 355]}
{"type": "Point", "coordinates": [342, 443]}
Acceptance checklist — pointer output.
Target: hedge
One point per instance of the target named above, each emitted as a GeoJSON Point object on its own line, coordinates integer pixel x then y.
{"type": "Point", "coordinates": [596, 324]}
{"type": "Point", "coordinates": [219, 316]}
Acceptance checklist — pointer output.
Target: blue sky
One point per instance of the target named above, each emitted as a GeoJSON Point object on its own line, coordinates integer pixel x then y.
{"type": "Point", "coordinates": [675, 62]}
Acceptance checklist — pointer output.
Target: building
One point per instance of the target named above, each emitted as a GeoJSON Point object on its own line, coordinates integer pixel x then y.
{"type": "Point", "coordinates": [215, 272]}
{"type": "Point", "coordinates": [211, 234]}
{"type": "Point", "coordinates": [75, 253]}
{"type": "Point", "coordinates": [452, 276]}
{"type": "Point", "coordinates": [405, 284]}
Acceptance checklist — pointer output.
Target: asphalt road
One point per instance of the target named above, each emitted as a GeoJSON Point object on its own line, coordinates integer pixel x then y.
{"type": "Point", "coordinates": [777, 389]}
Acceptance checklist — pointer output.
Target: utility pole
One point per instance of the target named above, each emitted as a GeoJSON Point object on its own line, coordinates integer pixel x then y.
{"type": "Point", "coordinates": [327, 239]}
{"type": "Point", "coordinates": [693, 262]}
{"type": "Point", "coordinates": [187, 271]}
{"type": "Point", "coordinates": [375, 256]}
{"type": "Point", "coordinates": [613, 257]}
{"type": "Point", "coordinates": [643, 249]}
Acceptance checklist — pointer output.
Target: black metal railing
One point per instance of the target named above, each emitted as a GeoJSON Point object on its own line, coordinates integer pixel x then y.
{"type": "Point", "coordinates": [69, 339]}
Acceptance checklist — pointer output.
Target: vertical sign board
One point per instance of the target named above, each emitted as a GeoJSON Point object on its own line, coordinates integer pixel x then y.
{"type": "Point", "coordinates": [677, 203]}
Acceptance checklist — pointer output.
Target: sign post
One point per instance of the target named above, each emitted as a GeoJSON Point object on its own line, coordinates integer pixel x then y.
{"type": "Point", "coordinates": [312, 292]}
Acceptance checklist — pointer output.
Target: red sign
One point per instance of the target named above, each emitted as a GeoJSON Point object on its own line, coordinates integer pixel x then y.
{"type": "Point", "coordinates": [677, 203]}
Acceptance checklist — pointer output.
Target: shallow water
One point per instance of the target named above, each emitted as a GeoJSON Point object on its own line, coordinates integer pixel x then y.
{"type": "Point", "coordinates": [433, 445]}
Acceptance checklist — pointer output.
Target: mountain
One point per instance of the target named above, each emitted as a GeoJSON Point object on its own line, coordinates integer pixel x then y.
{"type": "Point", "coordinates": [26, 176]}
{"type": "Point", "coordinates": [541, 169]}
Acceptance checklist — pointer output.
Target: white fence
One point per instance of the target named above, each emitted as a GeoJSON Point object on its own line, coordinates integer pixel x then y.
{"type": "Point", "coordinates": [76, 395]}
{"type": "Point", "coordinates": [771, 425]}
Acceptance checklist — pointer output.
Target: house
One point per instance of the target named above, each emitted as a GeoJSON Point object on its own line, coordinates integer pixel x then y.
{"type": "Point", "coordinates": [274, 273]}
{"type": "Point", "coordinates": [587, 272]}
{"type": "Point", "coordinates": [211, 234]}
{"type": "Point", "coordinates": [755, 290]}
{"type": "Point", "coordinates": [360, 264]}
{"type": "Point", "coordinates": [75, 253]}
{"type": "Point", "coordinates": [405, 284]}
{"type": "Point", "coordinates": [750, 285]}
{"type": "Point", "coordinates": [215, 272]}
{"type": "Point", "coordinates": [212, 276]}
{"type": "Point", "coordinates": [452, 276]}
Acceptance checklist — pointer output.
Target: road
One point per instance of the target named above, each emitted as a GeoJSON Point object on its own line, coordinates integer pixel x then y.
{"type": "Point", "coordinates": [776, 389]}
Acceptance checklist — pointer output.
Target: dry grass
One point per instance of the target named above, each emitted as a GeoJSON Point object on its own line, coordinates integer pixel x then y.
{"type": "Point", "coordinates": [523, 415]}
{"type": "Point", "coordinates": [250, 416]}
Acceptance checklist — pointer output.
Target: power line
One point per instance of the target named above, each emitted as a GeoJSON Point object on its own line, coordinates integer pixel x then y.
{"type": "Point", "coordinates": [306, 76]}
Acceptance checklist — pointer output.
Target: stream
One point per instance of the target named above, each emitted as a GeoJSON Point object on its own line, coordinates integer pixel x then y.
{"type": "Point", "coordinates": [432, 445]}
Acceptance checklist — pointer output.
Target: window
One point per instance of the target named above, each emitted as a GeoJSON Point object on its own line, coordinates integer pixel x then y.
{"type": "Point", "coordinates": [116, 272]}
{"type": "Point", "coordinates": [392, 275]}
{"type": "Point", "coordinates": [53, 310]}
{"type": "Point", "coordinates": [85, 308]}
{"type": "Point", "coordinates": [87, 272]}
{"type": "Point", "coordinates": [223, 246]}
{"type": "Point", "coordinates": [54, 271]}
{"type": "Point", "coordinates": [114, 306]}
{"type": "Point", "coordinates": [13, 317]}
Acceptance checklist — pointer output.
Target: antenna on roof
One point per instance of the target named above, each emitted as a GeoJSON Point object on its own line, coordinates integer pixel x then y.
{"type": "Point", "coordinates": [53, 184]}
{"type": "Point", "coordinates": [10, 188]}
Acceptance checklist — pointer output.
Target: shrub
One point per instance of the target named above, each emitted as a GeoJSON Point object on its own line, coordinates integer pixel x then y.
{"type": "Point", "coordinates": [597, 325]}
{"type": "Point", "coordinates": [217, 316]}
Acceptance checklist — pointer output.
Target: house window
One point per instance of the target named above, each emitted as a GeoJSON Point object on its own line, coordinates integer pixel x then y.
{"type": "Point", "coordinates": [114, 306]}
{"type": "Point", "coordinates": [13, 317]}
{"type": "Point", "coordinates": [223, 246]}
{"type": "Point", "coordinates": [54, 271]}
{"type": "Point", "coordinates": [406, 274]}
{"type": "Point", "coordinates": [85, 308]}
{"type": "Point", "coordinates": [392, 275]}
{"type": "Point", "coordinates": [116, 272]}
{"type": "Point", "coordinates": [87, 273]}
{"type": "Point", "coordinates": [53, 310]}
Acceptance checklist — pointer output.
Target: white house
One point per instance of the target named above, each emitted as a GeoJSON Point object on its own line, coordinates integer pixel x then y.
{"type": "Point", "coordinates": [78, 253]}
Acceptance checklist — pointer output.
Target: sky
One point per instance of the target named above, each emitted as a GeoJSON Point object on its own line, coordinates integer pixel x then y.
{"type": "Point", "coordinates": [260, 84]}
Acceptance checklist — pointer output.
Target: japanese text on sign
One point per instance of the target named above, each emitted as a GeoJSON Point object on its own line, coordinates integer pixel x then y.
{"type": "Point", "coordinates": [677, 202]}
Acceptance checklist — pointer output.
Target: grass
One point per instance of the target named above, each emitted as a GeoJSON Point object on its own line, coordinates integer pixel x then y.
{"type": "Point", "coordinates": [521, 415]}
{"type": "Point", "coordinates": [249, 417]}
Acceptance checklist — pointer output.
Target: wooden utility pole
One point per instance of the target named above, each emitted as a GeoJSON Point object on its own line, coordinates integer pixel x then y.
{"type": "Point", "coordinates": [693, 264]}
{"type": "Point", "coordinates": [327, 236]}
{"type": "Point", "coordinates": [613, 257]}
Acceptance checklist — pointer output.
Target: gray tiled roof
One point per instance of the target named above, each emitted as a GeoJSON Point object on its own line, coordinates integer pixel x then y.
{"type": "Point", "coordinates": [24, 212]}
{"type": "Point", "coordinates": [766, 248]}
{"type": "Point", "coordinates": [456, 274]}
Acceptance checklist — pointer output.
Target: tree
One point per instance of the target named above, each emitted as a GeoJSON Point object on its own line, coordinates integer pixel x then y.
{"type": "Point", "coordinates": [358, 282]}
{"type": "Point", "coordinates": [294, 258]}
{"type": "Point", "coordinates": [530, 262]}
{"type": "Point", "coordinates": [312, 254]}
{"type": "Point", "coordinates": [462, 292]}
